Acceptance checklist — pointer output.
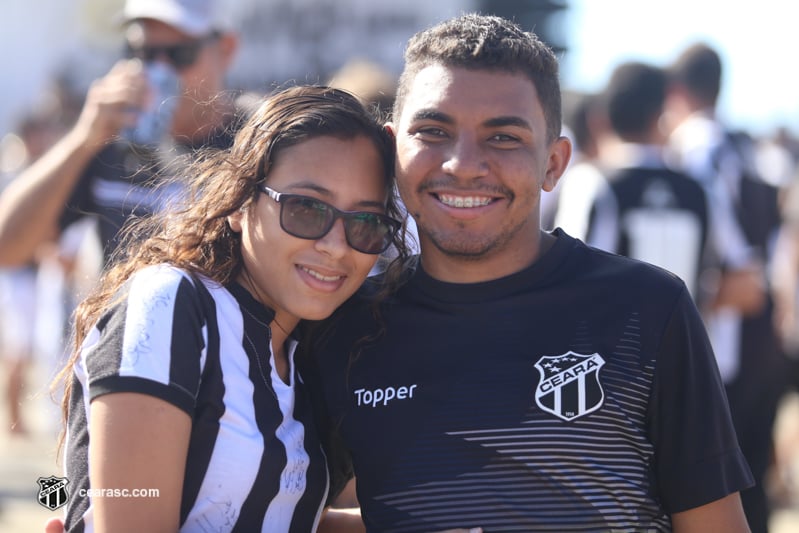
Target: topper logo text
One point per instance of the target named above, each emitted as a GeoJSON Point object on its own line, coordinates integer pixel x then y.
{"type": "Point", "coordinates": [383, 396]}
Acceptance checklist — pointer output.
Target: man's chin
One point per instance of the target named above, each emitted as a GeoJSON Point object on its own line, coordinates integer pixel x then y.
{"type": "Point", "coordinates": [465, 249]}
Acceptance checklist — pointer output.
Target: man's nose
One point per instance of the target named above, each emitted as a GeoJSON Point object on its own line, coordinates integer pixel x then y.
{"type": "Point", "coordinates": [466, 158]}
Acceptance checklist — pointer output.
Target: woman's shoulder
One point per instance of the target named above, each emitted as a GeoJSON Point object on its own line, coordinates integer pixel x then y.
{"type": "Point", "coordinates": [155, 283]}
{"type": "Point", "coordinates": [162, 273]}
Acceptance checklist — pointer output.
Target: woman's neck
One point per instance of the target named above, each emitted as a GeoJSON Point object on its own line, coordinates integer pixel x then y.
{"type": "Point", "coordinates": [280, 335]}
{"type": "Point", "coordinates": [281, 330]}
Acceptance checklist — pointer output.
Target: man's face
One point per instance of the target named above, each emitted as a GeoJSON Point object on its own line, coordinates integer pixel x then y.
{"type": "Point", "coordinates": [203, 63]}
{"type": "Point", "coordinates": [472, 158]}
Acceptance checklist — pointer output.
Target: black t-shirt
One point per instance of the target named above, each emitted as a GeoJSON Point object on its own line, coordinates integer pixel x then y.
{"type": "Point", "coordinates": [578, 394]}
{"type": "Point", "coordinates": [122, 182]}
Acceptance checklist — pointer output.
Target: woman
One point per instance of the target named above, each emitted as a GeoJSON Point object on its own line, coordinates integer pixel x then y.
{"type": "Point", "coordinates": [183, 380]}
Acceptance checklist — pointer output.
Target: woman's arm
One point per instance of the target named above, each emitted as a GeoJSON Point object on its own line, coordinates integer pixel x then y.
{"type": "Point", "coordinates": [137, 442]}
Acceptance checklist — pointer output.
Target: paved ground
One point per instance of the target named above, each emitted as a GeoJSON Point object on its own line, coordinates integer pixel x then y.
{"type": "Point", "coordinates": [23, 461]}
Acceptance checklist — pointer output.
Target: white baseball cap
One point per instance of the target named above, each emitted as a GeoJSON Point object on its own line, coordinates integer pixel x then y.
{"type": "Point", "coordinates": [192, 17]}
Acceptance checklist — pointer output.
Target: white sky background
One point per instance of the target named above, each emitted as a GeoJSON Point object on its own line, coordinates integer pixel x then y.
{"type": "Point", "coordinates": [757, 41]}
{"type": "Point", "coordinates": [758, 47]}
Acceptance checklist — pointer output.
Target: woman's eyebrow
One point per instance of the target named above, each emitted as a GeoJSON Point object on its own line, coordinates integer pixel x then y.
{"type": "Point", "coordinates": [305, 186]}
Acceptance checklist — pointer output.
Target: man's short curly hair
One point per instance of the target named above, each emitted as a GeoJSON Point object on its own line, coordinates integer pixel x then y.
{"type": "Point", "coordinates": [699, 69]}
{"type": "Point", "coordinates": [484, 42]}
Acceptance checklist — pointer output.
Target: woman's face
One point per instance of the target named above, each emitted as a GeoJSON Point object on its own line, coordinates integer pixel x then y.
{"type": "Point", "coordinates": [301, 278]}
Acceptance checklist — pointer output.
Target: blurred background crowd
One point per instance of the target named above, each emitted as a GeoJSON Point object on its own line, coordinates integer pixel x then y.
{"type": "Point", "coordinates": [610, 51]}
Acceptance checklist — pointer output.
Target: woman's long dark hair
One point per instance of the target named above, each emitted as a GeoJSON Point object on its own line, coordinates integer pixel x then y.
{"type": "Point", "coordinates": [193, 233]}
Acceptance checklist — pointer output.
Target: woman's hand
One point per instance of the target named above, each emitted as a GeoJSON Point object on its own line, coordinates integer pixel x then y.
{"type": "Point", "coordinates": [54, 525]}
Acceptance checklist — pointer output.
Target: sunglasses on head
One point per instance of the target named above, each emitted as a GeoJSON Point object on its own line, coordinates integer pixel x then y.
{"type": "Point", "coordinates": [308, 218]}
{"type": "Point", "coordinates": [179, 55]}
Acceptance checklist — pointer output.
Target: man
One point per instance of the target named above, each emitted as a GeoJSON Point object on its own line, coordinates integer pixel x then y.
{"type": "Point", "coordinates": [744, 337]}
{"type": "Point", "coordinates": [517, 380]}
{"type": "Point", "coordinates": [647, 211]}
{"type": "Point", "coordinates": [585, 175]}
{"type": "Point", "coordinates": [94, 170]}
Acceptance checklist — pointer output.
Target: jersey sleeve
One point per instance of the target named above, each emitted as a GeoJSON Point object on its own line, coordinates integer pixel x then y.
{"type": "Point", "coordinates": [697, 457]}
{"type": "Point", "coordinates": [151, 341]}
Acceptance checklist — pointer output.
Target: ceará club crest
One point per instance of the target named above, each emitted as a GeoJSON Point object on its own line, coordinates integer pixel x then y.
{"type": "Point", "coordinates": [569, 387]}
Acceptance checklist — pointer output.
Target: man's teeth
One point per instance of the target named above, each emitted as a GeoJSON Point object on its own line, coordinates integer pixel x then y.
{"type": "Point", "coordinates": [320, 277]}
{"type": "Point", "coordinates": [464, 201]}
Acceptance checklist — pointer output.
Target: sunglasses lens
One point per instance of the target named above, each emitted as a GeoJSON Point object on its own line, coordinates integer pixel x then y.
{"type": "Point", "coordinates": [134, 53]}
{"type": "Point", "coordinates": [369, 233]}
{"type": "Point", "coordinates": [305, 217]}
{"type": "Point", "coordinates": [183, 55]}
{"type": "Point", "coordinates": [309, 218]}
{"type": "Point", "coordinates": [179, 55]}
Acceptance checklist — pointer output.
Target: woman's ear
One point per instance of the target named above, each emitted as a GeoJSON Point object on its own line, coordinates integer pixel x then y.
{"type": "Point", "coordinates": [234, 220]}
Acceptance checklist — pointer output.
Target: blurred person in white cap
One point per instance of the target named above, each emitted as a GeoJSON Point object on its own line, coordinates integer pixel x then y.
{"type": "Point", "coordinates": [103, 167]}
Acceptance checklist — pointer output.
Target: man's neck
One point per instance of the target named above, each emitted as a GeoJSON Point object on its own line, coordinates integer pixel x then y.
{"type": "Point", "coordinates": [203, 122]}
{"type": "Point", "coordinates": [499, 264]}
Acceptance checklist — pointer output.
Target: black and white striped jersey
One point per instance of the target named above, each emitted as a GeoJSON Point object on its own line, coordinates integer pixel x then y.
{"type": "Point", "coordinates": [254, 461]}
{"type": "Point", "coordinates": [654, 214]}
{"type": "Point", "coordinates": [579, 394]}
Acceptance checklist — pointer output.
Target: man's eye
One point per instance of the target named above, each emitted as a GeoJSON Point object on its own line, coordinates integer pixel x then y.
{"type": "Point", "coordinates": [503, 137]}
{"type": "Point", "coordinates": [431, 132]}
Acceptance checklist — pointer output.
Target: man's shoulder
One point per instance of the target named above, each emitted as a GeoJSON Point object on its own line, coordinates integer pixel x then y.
{"type": "Point", "coordinates": [223, 136]}
{"type": "Point", "coordinates": [628, 274]}
{"type": "Point", "coordinates": [122, 161]}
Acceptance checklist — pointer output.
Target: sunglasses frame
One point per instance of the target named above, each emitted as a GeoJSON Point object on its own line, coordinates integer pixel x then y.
{"type": "Point", "coordinates": [180, 55]}
{"type": "Point", "coordinates": [279, 197]}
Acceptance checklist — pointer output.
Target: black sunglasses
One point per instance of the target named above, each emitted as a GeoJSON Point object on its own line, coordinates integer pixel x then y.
{"type": "Point", "coordinates": [180, 55]}
{"type": "Point", "coordinates": [308, 218]}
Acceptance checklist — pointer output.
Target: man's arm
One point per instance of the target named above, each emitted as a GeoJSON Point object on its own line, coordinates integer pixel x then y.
{"type": "Point", "coordinates": [349, 521]}
{"type": "Point", "coordinates": [721, 516]}
{"type": "Point", "coordinates": [31, 204]}
{"type": "Point", "coordinates": [785, 269]}
{"type": "Point", "coordinates": [342, 521]}
{"type": "Point", "coordinates": [743, 289]}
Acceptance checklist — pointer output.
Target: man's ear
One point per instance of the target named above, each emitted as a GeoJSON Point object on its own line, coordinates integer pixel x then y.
{"type": "Point", "coordinates": [229, 45]}
{"type": "Point", "coordinates": [389, 127]}
{"type": "Point", "coordinates": [559, 154]}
